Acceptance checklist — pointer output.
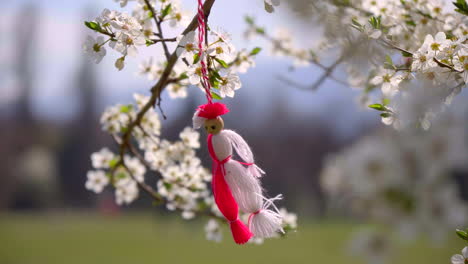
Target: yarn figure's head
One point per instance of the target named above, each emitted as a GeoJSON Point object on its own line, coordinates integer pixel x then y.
{"type": "Point", "coordinates": [214, 126]}
{"type": "Point", "coordinates": [209, 116]}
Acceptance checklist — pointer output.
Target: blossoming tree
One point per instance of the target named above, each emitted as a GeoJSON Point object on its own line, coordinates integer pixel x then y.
{"type": "Point", "coordinates": [408, 58]}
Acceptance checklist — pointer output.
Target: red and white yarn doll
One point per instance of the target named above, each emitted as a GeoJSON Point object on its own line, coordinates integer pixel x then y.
{"type": "Point", "coordinates": [236, 184]}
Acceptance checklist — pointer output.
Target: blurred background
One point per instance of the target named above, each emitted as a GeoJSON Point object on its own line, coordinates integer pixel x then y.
{"type": "Point", "coordinates": [51, 97]}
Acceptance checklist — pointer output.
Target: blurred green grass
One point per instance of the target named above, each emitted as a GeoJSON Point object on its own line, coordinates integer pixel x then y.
{"type": "Point", "coordinates": [141, 238]}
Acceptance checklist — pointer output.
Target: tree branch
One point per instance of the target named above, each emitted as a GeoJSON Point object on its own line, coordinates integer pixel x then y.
{"type": "Point", "coordinates": [328, 69]}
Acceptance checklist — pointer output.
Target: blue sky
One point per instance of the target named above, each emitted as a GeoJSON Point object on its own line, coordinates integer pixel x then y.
{"type": "Point", "coordinates": [61, 33]}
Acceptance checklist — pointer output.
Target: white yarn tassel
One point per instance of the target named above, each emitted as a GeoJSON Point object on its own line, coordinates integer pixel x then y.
{"type": "Point", "coordinates": [244, 187]}
{"type": "Point", "coordinates": [198, 121]}
{"type": "Point", "coordinates": [266, 223]}
{"type": "Point", "coordinates": [255, 171]}
{"type": "Point", "coordinates": [247, 191]}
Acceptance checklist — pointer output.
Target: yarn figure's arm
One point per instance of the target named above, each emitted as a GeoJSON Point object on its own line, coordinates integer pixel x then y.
{"type": "Point", "coordinates": [244, 152]}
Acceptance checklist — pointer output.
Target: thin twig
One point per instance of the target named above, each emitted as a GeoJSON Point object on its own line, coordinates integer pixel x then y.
{"type": "Point", "coordinates": [164, 40]}
{"type": "Point", "coordinates": [158, 25]}
{"type": "Point", "coordinates": [328, 69]}
{"type": "Point", "coordinates": [441, 64]}
{"type": "Point", "coordinates": [145, 187]}
{"type": "Point", "coordinates": [328, 72]}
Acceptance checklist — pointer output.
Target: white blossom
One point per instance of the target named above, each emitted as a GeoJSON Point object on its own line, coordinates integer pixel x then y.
{"type": "Point", "coordinates": [194, 73]}
{"type": "Point", "coordinates": [423, 59]}
{"type": "Point", "coordinates": [94, 48]}
{"type": "Point", "coordinates": [126, 191]}
{"type": "Point", "coordinates": [190, 137]}
{"type": "Point", "coordinates": [229, 84]}
{"type": "Point", "coordinates": [102, 159]}
{"type": "Point", "coordinates": [460, 258]}
{"type": "Point", "coordinates": [97, 180]}
{"type": "Point", "coordinates": [389, 80]}
{"type": "Point", "coordinates": [213, 231]}
{"type": "Point", "coordinates": [135, 167]}
{"type": "Point", "coordinates": [107, 16]}
{"type": "Point", "coordinates": [149, 69]}
{"type": "Point", "coordinates": [289, 219]}
{"type": "Point", "coordinates": [437, 43]}
{"type": "Point", "coordinates": [122, 3]}
{"type": "Point", "coordinates": [461, 62]}
{"type": "Point", "coordinates": [127, 43]}
{"type": "Point", "coordinates": [188, 46]}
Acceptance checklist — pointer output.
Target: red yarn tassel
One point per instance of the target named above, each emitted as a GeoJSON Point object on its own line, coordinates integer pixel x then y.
{"type": "Point", "coordinates": [240, 232]}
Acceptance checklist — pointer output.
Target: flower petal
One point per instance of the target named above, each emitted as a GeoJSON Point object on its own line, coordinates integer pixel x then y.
{"type": "Point", "coordinates": [457, 259]}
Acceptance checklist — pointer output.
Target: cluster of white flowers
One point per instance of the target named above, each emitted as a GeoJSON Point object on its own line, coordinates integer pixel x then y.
{"type": "Point", "coordinates": [405, 43]}
{"type": "Point", "coordinates": [125, 182]}
{"type": "Point", "coordinates": [224, 61]}
{"type": "Point", "coordinates": [116, 119]}
{"type": "Point", "coordinates": [126, 32]}
{"type": "Point", "coordinates": [404, 179]}
{"type": "Point", "coordinates": [183, 182]}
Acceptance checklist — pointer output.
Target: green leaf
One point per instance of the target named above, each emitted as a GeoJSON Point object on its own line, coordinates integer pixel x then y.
{"type": "Point", "coordinates": [356, 24]}
{"type": "Point", "coordinates": [216, 96]}
{"type": "Point", "coordinates": [375, 22]}
{"type": "Point", "coordinates": [406, 54]}
{"type": "Point", "coordinates": [260, 31]}
{"type": "Point", "coordinates": [385, 101]}
{"type": "Point", "coordinates": [126, 108]}
{"type": "Point", "coordinates": [166, 10]}
{"type": "Point", "coordinates": [93, 25]}
{"type": "Point", "coordinates": [183, 76]}
{"type": "Point", "coordinates": [223, 63]}
{"type": "Point", "coordinates": [149, 42]}
{"type": "Point", "coordinates": [196, 58]}
{"type": "Point", "coordinates": [113, 163]}
{"type": "Point", "coordinates": [216, 75]}
{"type": "Point", "coordinates": [388, 60]}
{"type": "Point", "coordinates": [462, 7]}
{"type": "Point", "coordinates": [121, 175]}
{"type": "Point", "coordinates": [378, 107]}
{"type": "Point", "coordinates": [462, 234]}
{"type": "Point", "coordinates": [249, 20]}
{"type": "Point", "coordinates": [150, 14]}
{"type": "Point", "coordinates": [385, 115]}
{"type": "Point", "coordinates": [255, 51]}
{"type": "Point", "coordinates": [410, 23]}
{"type": "Point", "coordinates": [214, 84]}
{"type": "Point", "coordinates": [167, 185]}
